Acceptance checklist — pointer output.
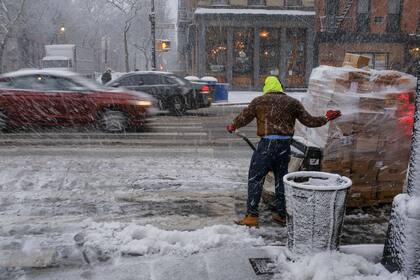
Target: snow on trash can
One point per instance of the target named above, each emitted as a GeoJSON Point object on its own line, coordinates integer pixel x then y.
{"type": "Point", "coordinates": [315, 203]}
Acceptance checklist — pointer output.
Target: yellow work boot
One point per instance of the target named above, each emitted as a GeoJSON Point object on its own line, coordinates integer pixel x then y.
{"type": "Point", "coordinates": [249, 221]}
{"type": "Point", "coordinates": [276, 218]}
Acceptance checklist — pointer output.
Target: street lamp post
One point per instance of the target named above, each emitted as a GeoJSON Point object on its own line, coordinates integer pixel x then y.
{"type": "Point", "coordinates": [402, 246]}
{"type": "Point", "coordinates": [60, 34]}
{"type": "Point", "coordinates": [153, 30]}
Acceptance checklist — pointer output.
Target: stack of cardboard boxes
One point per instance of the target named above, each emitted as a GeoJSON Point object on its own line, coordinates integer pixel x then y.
{"type": "Point", "coordinates": [370, 143]}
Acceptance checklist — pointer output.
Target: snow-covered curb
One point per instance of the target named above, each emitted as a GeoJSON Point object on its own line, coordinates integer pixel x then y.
{"type": "Point", "coordinates": [115, 239]}
{"type": "Point", "coordinates": [331, 266]}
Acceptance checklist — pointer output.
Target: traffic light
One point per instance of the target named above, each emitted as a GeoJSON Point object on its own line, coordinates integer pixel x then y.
{"type": "Point", "coordinates": [163, 45]}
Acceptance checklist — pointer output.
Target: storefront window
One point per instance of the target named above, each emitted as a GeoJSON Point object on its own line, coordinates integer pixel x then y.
{"type": "Point", "coordinates": [269, 52]}
{"type": "Point", "coordinates": [414, 51]}
{"type": "Point", "coordinates": [381, 61]}
{"type": "Point", "coordinates": [216, 49]}
{"type": "Point", "coordinates": [294, 3]}
{"type": "Point", "coordinates": [243, 58]}
{"type": "Point", "coordinates": [296, 56]}
{"type": "Point", "coordinates": [256, 2]}
{"type": "Point", "coordinates": [220, 2]}
{"type": "Point", "coordinates": [378, 61]}
{"type": "Point", "coordinates": [418, 23]}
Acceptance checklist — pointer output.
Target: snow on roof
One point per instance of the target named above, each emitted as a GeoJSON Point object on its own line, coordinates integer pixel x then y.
{"type": "Point", "coordinates": [222, 11]}
{"type": "Point", "coordinates": [26, 72]}
{"type": "Point", "coordinates": [56, 58]}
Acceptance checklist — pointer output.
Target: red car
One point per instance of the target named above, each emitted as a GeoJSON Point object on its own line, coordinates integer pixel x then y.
{"type": "Point", "coordinates": [60, 98]}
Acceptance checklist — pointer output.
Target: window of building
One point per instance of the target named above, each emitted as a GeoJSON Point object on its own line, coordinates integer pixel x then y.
{"type": "Point", "coordinates": [256, 2]}
{"type": "Point", "coordinates": [418, 24]}
{"type": "Point", "coordinates": [243, 43]}
{"type": "Point", "coordinates": [216, 49]}
{"type": "Point", "coordinates": [379, 20]}
{"type": "Point", "coordinates": [331, 7]}
{"type": "Point", "coordinates": [394, 15]}
{"type": "Point", "coordinates": [294, 3]}
{"type": "Point", "coordinates": [363, 16]}
{"type": "Point", "coordinates": [296, 57]}
{"type": "Point", "coordinates": [269, 52]}
{"type": "Point", "coordinates": [220, 2]}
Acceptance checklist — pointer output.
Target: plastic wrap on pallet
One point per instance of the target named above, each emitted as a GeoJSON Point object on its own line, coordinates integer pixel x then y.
{"type": "Point", "coordinates": [370, 143]}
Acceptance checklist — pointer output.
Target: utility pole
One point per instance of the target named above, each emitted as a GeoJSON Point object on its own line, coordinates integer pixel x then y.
{"type": "Point", "coordinates": [152, 18]}
{"type": "Point", "coordinates": [402, 246]}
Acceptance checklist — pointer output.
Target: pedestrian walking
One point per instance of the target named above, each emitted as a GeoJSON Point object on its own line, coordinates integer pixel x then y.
{"type": "Point", "coordinates": [276, 114]}
{"type": "Point", "coordinates": [107, 76]}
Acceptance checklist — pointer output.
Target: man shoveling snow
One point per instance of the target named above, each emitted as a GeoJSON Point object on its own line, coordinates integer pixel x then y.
{"type": "Point", "coordinates": [276, 114]}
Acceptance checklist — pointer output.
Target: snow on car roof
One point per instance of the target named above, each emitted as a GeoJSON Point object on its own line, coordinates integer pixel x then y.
{"type": "Point", "coordinates": [203, 11]}
{"type": "Point", "coordinates": [26, 72]}
{"type": "Point", "coordinates": [54, 72]}
{"type": "Point", "coordinates": [151, 72]}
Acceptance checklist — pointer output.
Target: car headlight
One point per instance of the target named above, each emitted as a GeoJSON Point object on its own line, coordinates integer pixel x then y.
{"type": "Point", "coordinates": [143, 103]}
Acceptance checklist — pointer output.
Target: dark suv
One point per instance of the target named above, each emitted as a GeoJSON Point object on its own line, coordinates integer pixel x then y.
{"type": "Point", "coordinates": [172, 92]}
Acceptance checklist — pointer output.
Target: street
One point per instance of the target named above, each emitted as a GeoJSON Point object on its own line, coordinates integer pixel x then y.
{"type": "Point", "coordinates": [121, 157]}
{"type": "Point", "coordinates": [184, 173]}
{"type": "Point", "coordinates": [201, 128]}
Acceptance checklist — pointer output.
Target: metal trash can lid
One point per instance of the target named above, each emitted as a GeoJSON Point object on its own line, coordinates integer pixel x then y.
{"type": "Point", "coordinates": [317, 181]}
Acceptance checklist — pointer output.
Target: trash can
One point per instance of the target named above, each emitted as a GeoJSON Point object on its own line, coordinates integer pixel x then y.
{"type": "Point", "coordinates": [221, 92]}
{"type": "Point", "coordinates": [315, 204]}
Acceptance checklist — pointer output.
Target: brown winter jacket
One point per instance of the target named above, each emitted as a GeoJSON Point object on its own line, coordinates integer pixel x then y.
{"type": "Point", "coordinates": [276, 114]}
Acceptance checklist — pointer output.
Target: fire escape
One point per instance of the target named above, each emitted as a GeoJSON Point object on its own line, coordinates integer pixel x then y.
{"type": "Point", "coordinates": [332, 23]}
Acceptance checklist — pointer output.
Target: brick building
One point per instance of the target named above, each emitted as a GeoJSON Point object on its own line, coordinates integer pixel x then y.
{"type": "Point", "coordinates": [242, 41]}
{"type": "Point", "coordinates": [388, 31]}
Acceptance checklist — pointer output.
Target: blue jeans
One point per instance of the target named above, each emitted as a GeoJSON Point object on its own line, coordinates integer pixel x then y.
{"type": "Point", "coordinates": [270, 155]}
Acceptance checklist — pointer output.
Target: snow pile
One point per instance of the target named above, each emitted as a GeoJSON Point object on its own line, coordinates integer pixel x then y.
{"type": "Point", "coordinates": [119, 239]}
{"type": "Point", "coordinates": [331, 266]}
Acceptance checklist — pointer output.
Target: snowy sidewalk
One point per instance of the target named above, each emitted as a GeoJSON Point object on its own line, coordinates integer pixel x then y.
{"type": "Point", "coordinates": [265, 262]}
{"type": "Point", "coordinates": [245, 97]}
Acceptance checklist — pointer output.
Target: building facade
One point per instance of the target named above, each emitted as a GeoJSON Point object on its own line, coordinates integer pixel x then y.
{"type": "Point", "coordinates": [388, 31]}
{"type": "Point", "coordinates": [242, 41]}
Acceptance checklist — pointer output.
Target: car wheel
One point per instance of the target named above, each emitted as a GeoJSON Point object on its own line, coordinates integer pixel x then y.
{"type": "Point", "coordinates": [3, 121]}
{"type": "Point", "coordinates": [178, 105]}
{"type": "Point", "coordinates": [114, 121]}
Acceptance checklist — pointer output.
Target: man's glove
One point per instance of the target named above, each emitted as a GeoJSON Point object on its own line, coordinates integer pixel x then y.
{"type": "Point", "coordinates": [231, 128]}
{"type": "Point", "coordinates": [332, 115]}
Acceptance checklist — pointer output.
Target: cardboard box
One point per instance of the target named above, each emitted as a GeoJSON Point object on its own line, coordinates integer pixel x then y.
{"type": "Point", "coordinates": [346, 128]}
{"type": "Point", "coordinates": [366, 143]}
{"type": "Point", "coordinates": [396, 172]}
{"type": "Point", "coordinates": [361, 195]}
{"type": "Point", "coordinates": [355, 60]}
{"type": "Point", "coordinates": [372, 104]}
{"type": "Point", "coordinates": [385, 192]}
{"type": "Point", "coordinates": [364, 170]}
{"type": "Point", "coordinates": [341, 85]}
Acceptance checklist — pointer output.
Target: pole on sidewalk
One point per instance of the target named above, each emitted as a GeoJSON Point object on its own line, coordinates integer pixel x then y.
{"type": "Point", "coordinates": [152, 18]}
{"type": "Point", "coordinates": [413, 189]}
{"type": "Point", "coordinates": [402, 246]}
